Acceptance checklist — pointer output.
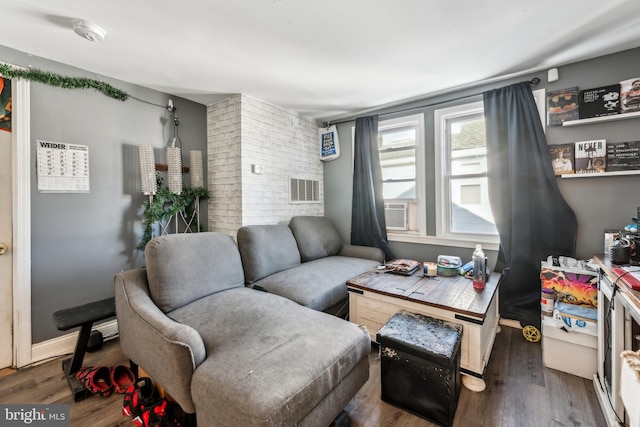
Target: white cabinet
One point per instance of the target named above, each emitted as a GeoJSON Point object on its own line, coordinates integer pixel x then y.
{"type": "Point", "coordinates": [618, 324]}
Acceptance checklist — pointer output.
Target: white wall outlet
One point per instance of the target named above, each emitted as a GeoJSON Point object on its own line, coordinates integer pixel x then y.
{"type": "Point", "coordinates": [257, 169]}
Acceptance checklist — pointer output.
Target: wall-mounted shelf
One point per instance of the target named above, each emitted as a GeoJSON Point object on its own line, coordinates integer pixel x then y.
{"type": "Point", "coordinates": [165, 167]}
{"type": "Point", "coordinates": [612, 118]}
{"type": "Point", "coordinates": [601, 174]}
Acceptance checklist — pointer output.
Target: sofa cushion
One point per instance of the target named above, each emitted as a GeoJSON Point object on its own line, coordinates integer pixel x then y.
{"type": "Point", "coordinates": [181, 267]}
{"type": "Point", "coordinates": [266, 249]}
{"type": "Point", "coordinates": [317, 284]}
{"type": "Point", "coordinates": [316, 237]}
{"type": "Point", "coordinates": [250, 337]}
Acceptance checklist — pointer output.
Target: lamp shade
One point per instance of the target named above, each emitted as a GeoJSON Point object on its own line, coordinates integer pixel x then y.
{"type": "Point", "coordinates": [174, 174]}
{"type": "Point", "coordinates": [147, 170]}
{"type": "Point", "coordinates": [195, 168]}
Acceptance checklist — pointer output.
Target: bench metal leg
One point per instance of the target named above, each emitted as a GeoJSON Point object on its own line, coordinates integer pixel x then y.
{"type": "Point", "coordinates": [71, 366]}
{"type": "Point", "coordinates": [81, 348]}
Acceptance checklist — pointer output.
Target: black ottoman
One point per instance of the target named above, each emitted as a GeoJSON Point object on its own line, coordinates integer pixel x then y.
{"type": "Point", "coordinates": [420, 365]}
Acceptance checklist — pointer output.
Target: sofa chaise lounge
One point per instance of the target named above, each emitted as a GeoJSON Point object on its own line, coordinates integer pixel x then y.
{"type": "Point", "coordinates": [233, 355]}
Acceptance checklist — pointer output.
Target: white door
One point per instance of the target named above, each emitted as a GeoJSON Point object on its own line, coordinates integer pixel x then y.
{"type": "Point", "coordinates": [6, 223]}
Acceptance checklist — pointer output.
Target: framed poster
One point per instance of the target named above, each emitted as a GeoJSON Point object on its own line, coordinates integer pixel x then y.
{"type": "Point", "coordinates": [562, 158]}
{"type": "Point", "coordinates": [562, 105]}
{"type": "Point", "coordinates": [329, 143]}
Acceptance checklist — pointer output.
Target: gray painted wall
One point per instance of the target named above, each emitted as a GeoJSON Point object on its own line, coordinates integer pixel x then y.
{"type": "Point", "coordinates": [80, 241]}
{"type": "Point", "coordinates": [600, 203]}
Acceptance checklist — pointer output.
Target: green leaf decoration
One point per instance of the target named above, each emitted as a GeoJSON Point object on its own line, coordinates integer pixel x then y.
{"type": "Point", "coordinates": [52, 79]}
{"type": "Point", "coordinates": [167, 204]}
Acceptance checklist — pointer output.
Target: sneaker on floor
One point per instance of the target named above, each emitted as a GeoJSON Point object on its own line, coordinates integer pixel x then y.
{"type": "Point", "coordinates": [139, 396]}
{"type": "Point", "coordinates": [97, 379]}
{"type": "Point", "coordinates": [121, 378]}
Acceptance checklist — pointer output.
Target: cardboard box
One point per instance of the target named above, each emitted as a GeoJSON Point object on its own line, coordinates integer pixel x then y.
{"type": "Point", "coordinates": [570, 352]}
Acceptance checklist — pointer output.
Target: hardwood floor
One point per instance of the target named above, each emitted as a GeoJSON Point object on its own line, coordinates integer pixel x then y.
{"type": "Point", "coordinates": [520, 393]}
{"type": "Point", "coordinates": [46, 384]}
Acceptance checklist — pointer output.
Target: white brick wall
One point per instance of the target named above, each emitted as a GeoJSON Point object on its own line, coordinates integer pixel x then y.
{"type": "Point", "coordinates": [244, 131]}
{"type": "Point", "coordinates": [223, 157]}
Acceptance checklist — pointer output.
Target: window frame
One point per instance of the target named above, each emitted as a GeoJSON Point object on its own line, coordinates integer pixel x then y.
{"type": "Point", "coordinates": [444, 175]}
{"type": "Point", "coordinates": [417, 121]}
{"type": "Point", "coordinates": [425, 212]}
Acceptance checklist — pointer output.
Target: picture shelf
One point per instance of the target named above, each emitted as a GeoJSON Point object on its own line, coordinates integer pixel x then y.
{"type": "Point", "coordinates": [601, 119]}
{"type": "Point", "coordinates": [601, 174]}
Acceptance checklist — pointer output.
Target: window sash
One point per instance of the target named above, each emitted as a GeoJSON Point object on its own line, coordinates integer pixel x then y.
{"type": "Point", "coordinates": [408, 163]}
{"type": "Point", "coordinates": [479, 153]}
{"type": "Point", "coordinates": [451, 176]}
{"type": "Point", "coordinates": [408, 186]}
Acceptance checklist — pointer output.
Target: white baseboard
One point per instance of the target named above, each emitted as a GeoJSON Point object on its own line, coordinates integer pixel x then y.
{"type": "Point", "coordinates": [66, 344]}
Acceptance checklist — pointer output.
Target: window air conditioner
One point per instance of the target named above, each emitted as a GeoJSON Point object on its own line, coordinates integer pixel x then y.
{"type": "Point", "coordinates": [395, 215]}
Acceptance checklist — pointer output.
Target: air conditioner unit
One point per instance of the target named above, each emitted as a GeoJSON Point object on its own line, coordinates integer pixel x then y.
{"type": "Point", "coordinates": [395, 215]}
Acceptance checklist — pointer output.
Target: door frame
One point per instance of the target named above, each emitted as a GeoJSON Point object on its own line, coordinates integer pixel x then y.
{"type": "Point", "coordinates": [21, 198]}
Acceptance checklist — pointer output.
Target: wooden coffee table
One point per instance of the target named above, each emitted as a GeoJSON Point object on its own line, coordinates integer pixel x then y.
{"type": "Point", "coordinates": [377, 295]}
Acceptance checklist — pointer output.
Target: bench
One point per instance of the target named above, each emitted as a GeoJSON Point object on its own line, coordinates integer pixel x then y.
{"type": "Point", "coordinates": [84, 316]}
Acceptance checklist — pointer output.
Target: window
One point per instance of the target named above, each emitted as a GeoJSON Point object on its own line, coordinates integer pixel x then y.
{"type": "Point", "coordinates": [435, 179]}
{"type": "Point", "coordinates": [399, 145]}
{"type": "Point", "coordinates": [461, 174]}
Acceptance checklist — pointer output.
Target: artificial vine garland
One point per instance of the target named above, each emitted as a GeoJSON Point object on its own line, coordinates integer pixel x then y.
{"type": "Point", "coordinates": [65, 82]}
{"type": "Point", "coordinates": [165, 205]}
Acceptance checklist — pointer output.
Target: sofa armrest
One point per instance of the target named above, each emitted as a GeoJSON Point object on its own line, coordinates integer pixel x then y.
{"type": "Point", "coordinates": [367, 252]}
{"type": "Point", "coordinates": [167, 350]}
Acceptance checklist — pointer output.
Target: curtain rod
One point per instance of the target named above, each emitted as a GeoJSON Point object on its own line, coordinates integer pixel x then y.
{"type": "Point", "coordinates": [533, 82]}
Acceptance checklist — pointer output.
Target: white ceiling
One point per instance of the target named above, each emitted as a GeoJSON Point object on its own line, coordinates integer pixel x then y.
{"type": "Point", "coordinates": [324, 59]}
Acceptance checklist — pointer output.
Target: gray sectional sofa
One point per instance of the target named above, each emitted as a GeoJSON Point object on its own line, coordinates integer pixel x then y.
{"type": "Point", "coordinates": [238, 356]}
{"type": "Point", "coordinates": [305, 262]}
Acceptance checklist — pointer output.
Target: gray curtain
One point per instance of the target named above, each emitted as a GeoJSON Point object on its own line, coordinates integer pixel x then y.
{"type": "Point", "coordinates": [368, 227]}
{"type": "Point", "coordinates": [532, 218]}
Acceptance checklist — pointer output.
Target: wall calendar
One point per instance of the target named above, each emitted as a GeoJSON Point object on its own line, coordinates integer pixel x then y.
{"type": "Point", "coordinates": [62, 168]}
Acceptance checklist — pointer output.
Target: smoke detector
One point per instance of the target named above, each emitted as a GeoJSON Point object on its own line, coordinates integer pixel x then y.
{"type": "Point", "coordinates": [88, 30]}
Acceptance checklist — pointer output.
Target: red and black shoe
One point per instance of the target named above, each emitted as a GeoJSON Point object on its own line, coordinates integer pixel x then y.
{"type": "Point", "coordinates": [162, 414]}
{"type": "Point", "coordinates": [139, 396]}
{"type": "Point", "coordinates": [143, 404]}
{"type": "Point", "coordinates": [121, 378]}
{"type": "Point", "coordinates": [97, 379]}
